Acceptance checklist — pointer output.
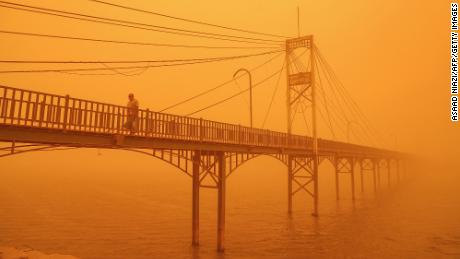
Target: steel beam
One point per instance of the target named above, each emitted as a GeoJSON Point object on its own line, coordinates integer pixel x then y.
{"type": "Point", "coordinates": [352, 171]}
{"type": "Point", "coordinates": [389, 172]}
{"type": "Point", "coordinates": [221, 201]}
{"type": "Point", "coordinates": [337, 160]}
{"type": "Point", "coordinates": [374, 175]}
{"type": "Point", "coordinates": [315, 185]}
{"type": "Point", "coordinates": [289, 178]}
{"type": "Point", "coordinates": [362, 176]}
{"type": "Point", "coordinates": [196, 198]}
{"type": "Point", "coordinates": [72, 138]}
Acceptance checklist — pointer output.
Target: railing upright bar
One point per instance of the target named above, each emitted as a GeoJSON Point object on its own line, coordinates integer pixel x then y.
{"type": "Point", "coordinates": [3, 104]}
{"type": "Point", "coordinates": [57, 118]}
{"type": "Point", "coordinates": [20, 117]}
{"type": "Point", "coordinates": [80, 115]}
{"type": "Point", "coordinates": [28, 107]}
{"type": "Point", "coordinates": [35, 109]}
{"type": "Point", "coordinates": [12, 107]}
{"type": "Point", "coordinates": [66, 112]}
{"type": "Point", "coordinates": [42, 111]}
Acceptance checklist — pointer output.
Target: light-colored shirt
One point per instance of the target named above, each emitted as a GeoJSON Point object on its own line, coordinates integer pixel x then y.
{"type": "Point", "coordinates": [133, 106]}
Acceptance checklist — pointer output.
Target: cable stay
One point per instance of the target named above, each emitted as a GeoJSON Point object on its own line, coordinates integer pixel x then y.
{"type": "Point", "coordinates": [135, 67]}
{"type": "Point", "coordinates": [188, 20]}
{"type": "Point", "coordinates": [340, 95]}
{"type": "Point", "coordinates": [132, 42]}
{"type": "Point", "coordinates": [273, 96]}
{"type": "Point", "coordinates": [235, 95]}
{"type": "Point", "coordinates": [239, 93]}
{"type": "Point", "coordinates": [134, 25]}
{"type": "Point", "coordinates": [217, 87]}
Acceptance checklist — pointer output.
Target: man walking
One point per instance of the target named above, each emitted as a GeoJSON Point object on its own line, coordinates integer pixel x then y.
{"type": "Point", "coordinates": [132, 120]}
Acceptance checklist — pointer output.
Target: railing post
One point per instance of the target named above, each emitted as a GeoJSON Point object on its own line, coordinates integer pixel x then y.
{"type": "Point", "coordinates": [42, 111]}
{"type": "Point", "coordinates": [66, 112]}
{"type": "Point", "coordinates": [118, 120]}
{"type": "Point", "coordinates": [239, 133]}
{"type": "Point", "coordinates": [146, 122]}
{"type": "Point", "coordinates": [201, 130]}
{"type": "Point", "coordinates": [12, 107]}
{"type": "Point", "coordinates": [21, 98]}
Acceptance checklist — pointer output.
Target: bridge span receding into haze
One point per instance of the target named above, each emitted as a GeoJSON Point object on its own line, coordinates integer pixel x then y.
{"type": "Point", "coordinates": [207, 151]}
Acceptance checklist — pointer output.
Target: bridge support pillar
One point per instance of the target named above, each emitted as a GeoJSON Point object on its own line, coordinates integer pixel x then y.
{"type": "Point", "coordinates": [398, 170]}
{"type": "Point", "coordinates": [337, 171]}
{"type": "Point", "coordinates": [196, 198]}
{"type": "Point", "coordinates": [370, 165]}
{"type": "Point", "coordinates": [289, 176]}
{"type": "Point", "coordinates": [344, 166]}
{"type": "Point", "coordinates": [315, 184]}
{"type": "Point", "coordinates": [221, 201]}
{"type": "Point", "coordinates": [362, 176]}
{"type": "Point", "coordinates": [389, 172]}
{"type": "Point", "coordinates": [301, 171]}
{"type": "Point", "coordinates": [352, 171]}
{"type": "Point", "coordinates": [374, 175]}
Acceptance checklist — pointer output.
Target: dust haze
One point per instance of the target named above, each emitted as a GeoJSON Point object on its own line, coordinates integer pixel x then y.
{"type": "Point", "coordinates": [391, 56]}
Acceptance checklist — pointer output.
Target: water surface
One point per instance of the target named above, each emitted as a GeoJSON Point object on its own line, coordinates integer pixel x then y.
{"type": "Point", "coordinates": [109, 209]}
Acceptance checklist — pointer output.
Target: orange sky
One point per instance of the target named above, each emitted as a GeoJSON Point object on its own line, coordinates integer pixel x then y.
{"type": "Point", "coordinates": [392, 56]}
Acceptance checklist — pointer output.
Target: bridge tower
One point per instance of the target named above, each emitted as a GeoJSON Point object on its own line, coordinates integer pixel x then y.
{"type": "Point", "coordinates": [301, 101]}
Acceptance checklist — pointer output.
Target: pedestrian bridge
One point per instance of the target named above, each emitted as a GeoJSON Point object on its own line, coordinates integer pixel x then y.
{"type": "Point", "coordinates": [208, 151]}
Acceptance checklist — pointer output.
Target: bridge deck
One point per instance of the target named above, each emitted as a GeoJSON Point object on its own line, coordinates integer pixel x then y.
{"type": "Point", "coordinates": [37, 117]}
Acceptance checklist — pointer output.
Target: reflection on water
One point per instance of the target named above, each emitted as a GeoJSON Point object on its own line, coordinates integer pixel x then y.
{"type": "Point", "coordinates": [147, 214]}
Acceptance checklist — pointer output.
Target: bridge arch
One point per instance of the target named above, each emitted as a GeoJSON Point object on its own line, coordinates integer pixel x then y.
{"type": "Point", "coordinates": [234, 163]}
{"type": "Point", "coordinates": [180, 159]}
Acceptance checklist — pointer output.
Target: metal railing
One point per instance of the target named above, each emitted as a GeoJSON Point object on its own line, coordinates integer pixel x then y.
{"type": "Point", "coordinates": [21, 107]}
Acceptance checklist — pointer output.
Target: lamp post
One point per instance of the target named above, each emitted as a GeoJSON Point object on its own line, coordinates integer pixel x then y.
{"type": "Point", "coordinates": [250, 90]}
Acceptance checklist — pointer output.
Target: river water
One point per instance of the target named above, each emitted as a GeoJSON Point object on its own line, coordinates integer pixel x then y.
{"type": "Point", "coordinates": [117, 211]}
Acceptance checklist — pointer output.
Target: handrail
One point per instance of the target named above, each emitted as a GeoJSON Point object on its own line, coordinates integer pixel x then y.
{"type": "Point", "coordinates": [20, 107]}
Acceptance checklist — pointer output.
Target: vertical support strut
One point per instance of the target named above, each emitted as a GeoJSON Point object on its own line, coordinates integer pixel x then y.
{"type": "Point", "coordinates": [352, 168]}
{"type": "Point", "coordinates": [362, 176]}
{"type": "Point", "coordinates": [374, 175]}
{"type": "Point", "coordinates": [336, 159]}
{"type": "Point", "coordinates": [398, 169]}
{"type": "Point", "coordinates": [315, 185]}
{"type": "Point", "coordinates": [196, 198]}
{"type": "Point", "coordinates": [301, 90]}
{"type": "Point", "coordinates": [289, 171]}
{"type": "Point", "coordinates": [378, 172]}
{"type": "Point", "coordinates": [221, 201]}
{"type": "Point", "coordinates": [315, 137]}
{"type": "Point", "coordinates": [389, 172]}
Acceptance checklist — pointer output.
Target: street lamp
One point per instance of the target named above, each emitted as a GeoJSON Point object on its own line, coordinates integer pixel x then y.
{"type": "Point", "coordinates": [250, 90]}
